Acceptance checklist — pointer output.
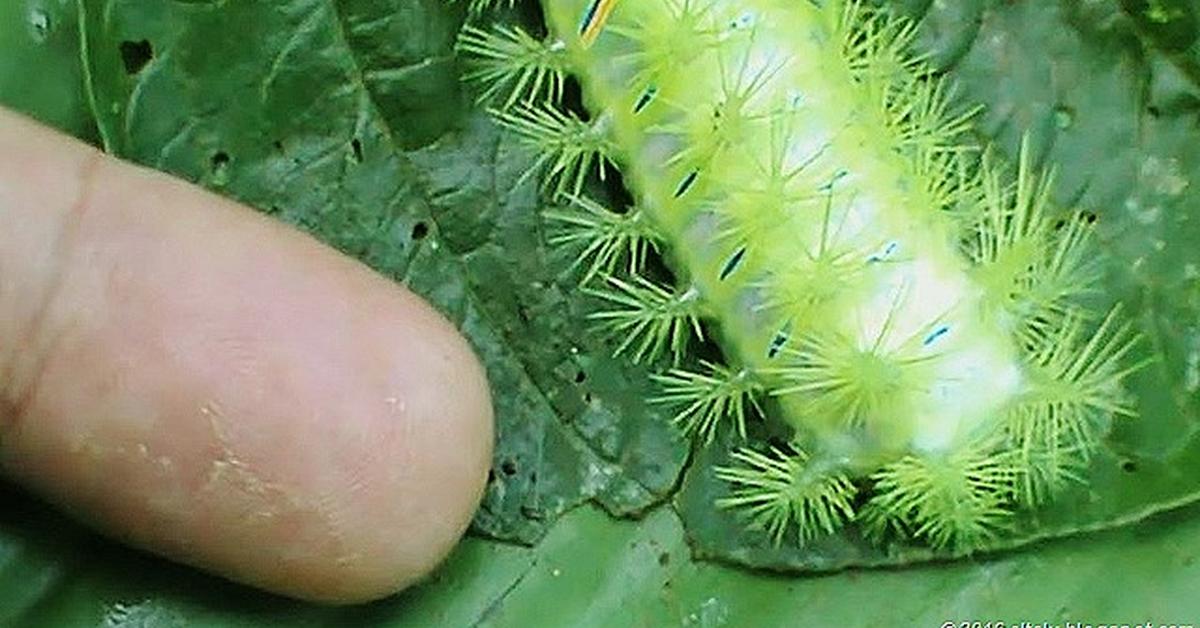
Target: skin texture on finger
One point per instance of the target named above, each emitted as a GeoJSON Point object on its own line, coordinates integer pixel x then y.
{"type": "Point", "coordinates": [200, 381]}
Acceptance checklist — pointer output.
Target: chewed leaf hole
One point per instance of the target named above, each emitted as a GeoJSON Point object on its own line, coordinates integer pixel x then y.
{"type": "Point", "coordinates": [219, 167]}
{"type": "Point", "coordinates": [135, 55]}
{"type": "Point", "coordinates": [419, 231]}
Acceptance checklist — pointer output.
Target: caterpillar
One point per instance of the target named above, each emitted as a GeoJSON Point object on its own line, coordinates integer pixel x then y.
{"type": "Point", "coordinates": [909, 310]}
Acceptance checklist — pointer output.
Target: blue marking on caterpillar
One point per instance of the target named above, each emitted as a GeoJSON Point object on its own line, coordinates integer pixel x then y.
{"type": "Point", "coordinates": [645, 98]}
{"type": "Point", "coordinates": [887, 252]}
{"type": "Point", "coordinates": [838, 176]}
{"type": "Point", "coordinates": [936, 334]}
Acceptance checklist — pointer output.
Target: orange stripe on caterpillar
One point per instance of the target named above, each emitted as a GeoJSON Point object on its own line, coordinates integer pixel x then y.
{"type": "Point", "coordinates": [595, 19]}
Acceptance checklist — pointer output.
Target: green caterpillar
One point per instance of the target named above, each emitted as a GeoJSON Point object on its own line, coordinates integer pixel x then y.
{"type": "Point", "coordinates": [875, 281]}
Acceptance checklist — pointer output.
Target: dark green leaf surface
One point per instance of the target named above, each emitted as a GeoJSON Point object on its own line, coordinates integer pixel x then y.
{"type": "Point", "coordinates": [346, 118]}
{"type": "Point", "coordinates": [304, 109]}
{"type": "Point", "coordinates": [1172, 26]}
{"type": "Point", "coordinates": [39, 64]}
{"type": "Point", "coordinates": [592, 570]}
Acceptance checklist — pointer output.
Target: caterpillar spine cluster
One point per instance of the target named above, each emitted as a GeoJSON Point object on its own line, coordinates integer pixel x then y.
{"type": "Point", "coordinates": [872, 279]}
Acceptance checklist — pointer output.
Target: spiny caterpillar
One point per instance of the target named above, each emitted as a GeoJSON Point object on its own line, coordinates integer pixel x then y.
{"type": "Point", "coordinates": [875, 281]}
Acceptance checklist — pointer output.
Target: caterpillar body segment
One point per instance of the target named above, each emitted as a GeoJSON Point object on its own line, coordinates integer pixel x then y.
{"type": "Point", "coordinates": [708, 398]}
{"type": "Point", "coordinates": [760, 161]}
{"type": "Point", "coordinates": [780, 491]}
{"type": "Point", "coordinates": [875, 281]}
{"type": "Point", "coordinates": [507, 59]}
{"type": "Point", "coordinates": [608, 240]}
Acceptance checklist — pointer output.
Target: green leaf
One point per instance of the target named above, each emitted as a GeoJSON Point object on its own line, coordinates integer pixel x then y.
{"type": "Point", "coordinates": [594, 571]}
{"type": "Point", "coordinates": [39, 64]}
{"type": "Point", "coordinates": [310, 111]}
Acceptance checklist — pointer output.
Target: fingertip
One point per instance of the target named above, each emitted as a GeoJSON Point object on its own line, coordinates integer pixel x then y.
{"type": "Point", "coordinates": [223, 390]}
{"type": "Point", "coordinates": [446, 448]}
{"type": "Point", "coordinates": [408, 493]}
